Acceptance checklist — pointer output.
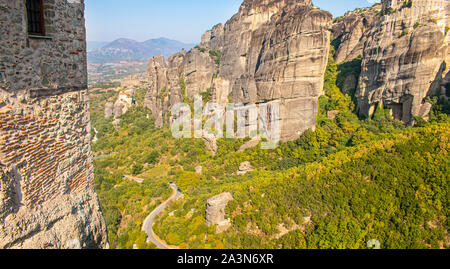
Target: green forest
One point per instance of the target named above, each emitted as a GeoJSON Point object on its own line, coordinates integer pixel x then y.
{"type": "Point", "coordinates": [349, 181]}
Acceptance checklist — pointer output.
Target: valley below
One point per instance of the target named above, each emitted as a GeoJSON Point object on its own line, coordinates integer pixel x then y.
{"type": "Point", "coordinates": [365, 134]}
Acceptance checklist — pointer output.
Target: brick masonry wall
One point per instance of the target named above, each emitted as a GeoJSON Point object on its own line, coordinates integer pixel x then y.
{"type": "Point", "coordinates": [44, 121]}
{"type": "Point", "coordinates": [45, 152]}
{"type": "Point", "coordinates": [49, 144]}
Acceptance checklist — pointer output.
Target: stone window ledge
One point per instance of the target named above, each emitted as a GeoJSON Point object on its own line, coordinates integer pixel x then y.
{"type": "Point", "coordinates": [40, 37]}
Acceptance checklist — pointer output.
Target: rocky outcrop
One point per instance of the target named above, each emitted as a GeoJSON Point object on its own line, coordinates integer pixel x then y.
{"type": "Point", "coordinates": [109, 110]}
{"type": "Point", "coordinates": [349, 32]}
{"type": "Point", "coordinates": [199, 169]}
{"type": "Point", "coordinates": [183, 76]}
{"type": "Point", "coordinates": [156, 97]}
{"type": "Point", "coordinates": [126, 98]}
{"type": "Point", "coordinates": [133, 81]}
{"type": "Point", "coordinates": [70, 221]}
{"type": "Point", "coordinates": [197, 69]}
{"type": "Point", "coordinates": [123, 103]}
{"type": "Point", "coordinates": [244, 168]}
{"type": "Point", "coordinates": [276, 51]}
{"type": "Point", "coordinates": [404, 60]}
{"type": "Point", "coordinates": [250, 144]}
{"type": "Point", "coordinates": [332, 114]}
{"type": "Point", "coordinates": [215, 211]}
{"type": "Point", "coordinates": [214, 38]}
{"type": "Point", "coordinates": [211, 144]}
{"type": "Point", "coordinates": [271, 51]}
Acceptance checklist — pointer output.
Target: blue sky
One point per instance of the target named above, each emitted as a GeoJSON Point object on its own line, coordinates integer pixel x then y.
{"type": "Point", "coordinates": [183, 20]}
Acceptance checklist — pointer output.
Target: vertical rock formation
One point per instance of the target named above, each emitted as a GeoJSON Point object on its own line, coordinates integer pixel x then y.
{"type": "Point", "coordinates": [183, 76]}
{"type": "Point", "coordinates": [404, 58]}
{"type": "Point", "coordinates": [197, 69]}
{"type": "Point", "coordinates": [109, 110]}
{"type": "Point", "coordinates": [271, 51]}
{"type": "Point", "coordinates": [126, 99]}
{"type": "Point", "coordinates": [47, 197]}
{"type": "Point", "coordinates": [214, 38]}
{"type": "Point", "coordinates": [215, 211]}
{"type": "Point", "coordinates": [349, 32]}
{"type": "Point", "coordinates": [123, 102]}
{"type": "Point", "coordinates": [276, 51]}
{"type": "Point", "coordinates": [156, 96]}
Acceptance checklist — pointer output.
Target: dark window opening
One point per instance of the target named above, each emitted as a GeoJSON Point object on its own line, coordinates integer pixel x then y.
{"type": "Point", "coordinates": [35, 13]}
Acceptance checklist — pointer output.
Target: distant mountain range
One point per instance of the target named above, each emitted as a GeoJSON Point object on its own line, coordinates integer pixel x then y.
{"type": "Point", "coordinates": [131, 50]}
{"type": "Point", "coordinates": [95, 45]}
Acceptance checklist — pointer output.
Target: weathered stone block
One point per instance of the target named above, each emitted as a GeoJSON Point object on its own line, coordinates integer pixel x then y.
{"type": "Point", "coordinates": [215, 211]}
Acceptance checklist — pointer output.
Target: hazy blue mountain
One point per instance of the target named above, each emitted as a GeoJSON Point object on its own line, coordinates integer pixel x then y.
{"type": "Point", "coordinates": [95, 45]}
{"type": "Point", "coordinates": [132, 50]}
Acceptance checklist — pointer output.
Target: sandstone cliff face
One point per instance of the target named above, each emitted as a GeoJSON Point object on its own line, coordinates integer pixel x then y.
{"type": "Point", "coordinates": [158, 82]}
{"type": "Point", "coordinates": [47, 197]}
{"type": "Point", "coordinates": [277, 51]}
{"type": "Point", "coordinates": [126, 98]}
{"type": "Point", "coordinates": [182, 76]}
{"type": "Point", "coordinates": [70, 221]}
{"type": "Point", "coordinates": [404, 61]}
{"type": "Point", "coordinates": [197, 69]}
{"type": "Point", "coordinates": [350, 30]}
{"type": "Point", "coordinates": [214, 38]}
{"type": "Point", "coordinates": [271, 51]}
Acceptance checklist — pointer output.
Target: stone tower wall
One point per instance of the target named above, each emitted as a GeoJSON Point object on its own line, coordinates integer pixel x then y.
{"type": "Point", "coordinates": [45, 153]}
